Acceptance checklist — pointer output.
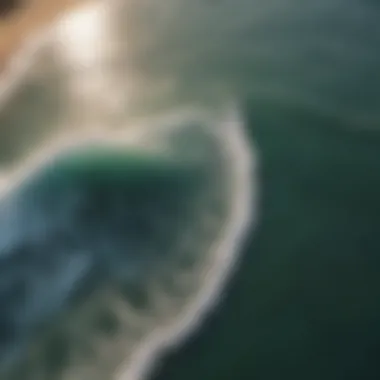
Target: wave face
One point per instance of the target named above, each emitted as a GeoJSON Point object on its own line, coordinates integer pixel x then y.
{"type": "Point", "coordinates": [105, 247]}
{"type": "Point", "coordinates": [117, 233]}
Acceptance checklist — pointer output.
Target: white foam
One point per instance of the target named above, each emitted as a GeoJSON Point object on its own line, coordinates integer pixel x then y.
{"type": "Point", "coordinates": [225, 251]}
{"type": "Point", "coordinates": [225, 255]}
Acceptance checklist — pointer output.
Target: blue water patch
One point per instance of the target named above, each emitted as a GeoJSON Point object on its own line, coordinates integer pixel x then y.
{"type": "Point", "coordinates": [86, 218]}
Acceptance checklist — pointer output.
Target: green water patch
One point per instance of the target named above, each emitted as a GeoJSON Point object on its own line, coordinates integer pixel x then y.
{"type": "Point", "coordinates": [108, 166]}
{"type": "Point", "coordinates": [305, 301]}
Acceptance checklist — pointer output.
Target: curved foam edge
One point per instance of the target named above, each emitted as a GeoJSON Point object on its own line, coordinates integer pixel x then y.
{"type": "Point", "coordinates": [226, 253]}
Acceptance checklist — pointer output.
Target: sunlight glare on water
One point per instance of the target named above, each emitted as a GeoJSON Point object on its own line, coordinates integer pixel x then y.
{"type": "Point", "coordinates": [81, 33]}
{"type": "Point", "coordinates": [84, 41]}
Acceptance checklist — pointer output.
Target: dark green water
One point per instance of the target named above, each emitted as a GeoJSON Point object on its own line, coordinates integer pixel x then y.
{"type": "Point", "coordinates": [305, 303]}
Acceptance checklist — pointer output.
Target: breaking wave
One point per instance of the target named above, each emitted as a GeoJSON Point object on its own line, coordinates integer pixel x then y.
{"type": "Point", "coordinates": [116, 242]}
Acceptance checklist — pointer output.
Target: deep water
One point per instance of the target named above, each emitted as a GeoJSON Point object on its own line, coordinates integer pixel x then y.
{"type": "Point", "coordinates": [305, 302]}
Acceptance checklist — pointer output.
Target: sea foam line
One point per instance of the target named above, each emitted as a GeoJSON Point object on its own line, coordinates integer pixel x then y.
{"type": "Point", "coordinates": [226, 250]}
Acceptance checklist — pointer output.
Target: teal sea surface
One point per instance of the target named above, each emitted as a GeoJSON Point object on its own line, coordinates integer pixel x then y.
{"type": "Point", "coordinates": [305, 301]}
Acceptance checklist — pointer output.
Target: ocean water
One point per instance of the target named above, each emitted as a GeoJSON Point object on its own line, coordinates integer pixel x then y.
{"type": "Point", "coordinates": [297, 83]}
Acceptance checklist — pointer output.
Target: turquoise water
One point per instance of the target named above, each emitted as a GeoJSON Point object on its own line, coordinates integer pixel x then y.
{"type": "Point", "coordinates": [304, 302]}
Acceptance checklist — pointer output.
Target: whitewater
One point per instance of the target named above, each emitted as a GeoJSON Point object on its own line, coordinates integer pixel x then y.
{"type": "Point", "coordinates": [85, 55]}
